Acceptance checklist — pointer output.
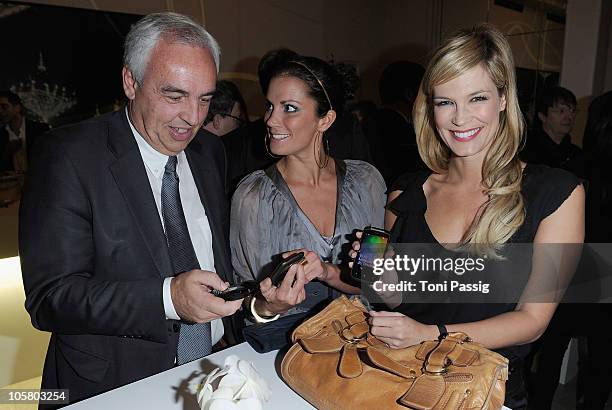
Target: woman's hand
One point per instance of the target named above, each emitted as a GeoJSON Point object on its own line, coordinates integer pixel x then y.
{"type": "Point", "coordinates": [314, 267]}
{"type": "Point", "coordinates": [398, 330]}
{"type": "Point", "coordinates": [388, 277]}
{"type": "Point", "coordinates": [290, 293]}
{"type": "Point", "coordinates": [325, 272]}
{"type": "Point", "coordinates": [355, 246]}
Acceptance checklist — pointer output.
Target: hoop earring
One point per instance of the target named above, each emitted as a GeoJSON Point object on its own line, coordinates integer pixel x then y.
{"type": "Point", "coordinates": [266, 143]}
{"type": "Point", "coordinates": [325, 150]}
{"type": "Point", "coordinates": [320, 154]}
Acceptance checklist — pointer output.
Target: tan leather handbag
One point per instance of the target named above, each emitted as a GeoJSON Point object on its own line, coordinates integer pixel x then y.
{"type": "Point", "coordinates": [335, 363]}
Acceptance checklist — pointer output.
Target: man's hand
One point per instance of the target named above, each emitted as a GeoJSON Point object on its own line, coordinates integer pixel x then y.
{"type": "Point", "coordinates": [193, 301]}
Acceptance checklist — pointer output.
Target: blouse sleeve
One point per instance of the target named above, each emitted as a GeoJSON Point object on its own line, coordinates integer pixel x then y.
{"type": "Point", "coordinates": [245, 228]}
{"type": "Point", "coordinates": [378, 189]}
{"type": "Point", "coordinates": [366, 187]}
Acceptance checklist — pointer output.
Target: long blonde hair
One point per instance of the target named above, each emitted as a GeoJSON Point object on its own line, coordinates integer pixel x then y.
{"type": "Point", "coordinates": [504, 211]}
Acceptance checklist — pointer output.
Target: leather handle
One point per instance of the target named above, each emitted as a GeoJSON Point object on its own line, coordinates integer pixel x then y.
{"type": "Point", "coordinates": [437, 360]}
{"type": "Point", "coordinates": [348, 340]}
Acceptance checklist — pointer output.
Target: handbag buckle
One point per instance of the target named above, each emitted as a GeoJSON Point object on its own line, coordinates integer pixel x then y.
{"type": "Point", "coordinates": [351, 338]}
{"type": "Point", "coordinates": [440, 372]}
{"type": "Point", "coordinates": [346, 334]}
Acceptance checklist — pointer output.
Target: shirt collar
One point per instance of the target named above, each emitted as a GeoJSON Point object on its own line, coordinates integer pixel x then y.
{"type": "Point", "coordinates": [154, 160]}
{"type": "Point", "coordinates": [21, 132]}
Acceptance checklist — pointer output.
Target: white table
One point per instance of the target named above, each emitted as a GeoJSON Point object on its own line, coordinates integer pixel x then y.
{"type": "Point", "coordinates": [160, 391]}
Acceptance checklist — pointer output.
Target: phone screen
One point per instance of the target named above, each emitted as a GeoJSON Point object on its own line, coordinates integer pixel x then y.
{"type": "Point", "coordinates": [373, 246]}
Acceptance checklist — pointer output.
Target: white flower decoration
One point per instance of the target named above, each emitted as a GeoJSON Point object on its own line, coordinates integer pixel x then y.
{"type": "Point", "coordinates": [239, 387]}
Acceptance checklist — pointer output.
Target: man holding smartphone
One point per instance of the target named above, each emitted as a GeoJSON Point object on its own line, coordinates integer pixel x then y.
{"type": "Point", "coordinates": [123, 222]}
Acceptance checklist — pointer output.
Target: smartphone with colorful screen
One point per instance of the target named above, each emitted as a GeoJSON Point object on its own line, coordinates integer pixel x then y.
{"type": "Point", "coordinates": [374, 243]}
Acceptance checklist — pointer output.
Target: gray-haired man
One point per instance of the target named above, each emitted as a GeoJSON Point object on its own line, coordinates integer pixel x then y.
{"type": "Point", "coordinates": [123, 222]}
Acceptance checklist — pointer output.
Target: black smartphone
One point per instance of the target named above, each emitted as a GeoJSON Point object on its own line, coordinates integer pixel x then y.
{"type": "Point", "coordinates": [250, 287]}
{"type": "Point", "coordinates": [278, 274]}
{"type": "Point", "coordinates": [374, 243]}
{"type": "Point", "coordinates": [236, 292]}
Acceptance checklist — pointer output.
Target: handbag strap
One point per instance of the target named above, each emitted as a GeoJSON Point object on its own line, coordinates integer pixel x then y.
{"type": "Point", "coordinates": [378, 358]}
{"type": "Point", "coordinates": [347, 341]}
{"type": "Point", "coordinates": [437, 361]}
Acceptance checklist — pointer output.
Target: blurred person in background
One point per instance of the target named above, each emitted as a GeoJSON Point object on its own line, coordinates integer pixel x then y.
{"type": "Point", "coordinates": [227, 110]}
{"type": "Point", "coordinates": [228, 118]}
{"type": "Point", "coordinates": [390, 131]}
{"type": "Point", "coordinates": [549, 141]}
{"type": "Point", "coordinates": [362, 110]}
{"type": "Point", "coordinates": [18, 135]}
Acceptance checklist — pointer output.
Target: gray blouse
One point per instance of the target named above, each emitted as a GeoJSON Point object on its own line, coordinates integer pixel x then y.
{"type": "Point", "coordinates": [267, 221]}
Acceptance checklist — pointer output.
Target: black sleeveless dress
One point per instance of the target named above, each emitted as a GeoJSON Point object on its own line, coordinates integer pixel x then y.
{"type": "Point", "coordinates": [544, 189]}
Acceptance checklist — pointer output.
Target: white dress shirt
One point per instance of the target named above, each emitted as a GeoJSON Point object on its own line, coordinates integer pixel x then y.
{"type": "Point", "coordinates": [14, 136]}
{"type": "Point", "coordinates": [195, 216]}
{"type": "Point", "coordinates": [19, 157]}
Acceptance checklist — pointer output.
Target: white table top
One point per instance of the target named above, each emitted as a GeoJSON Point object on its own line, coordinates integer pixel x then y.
{"type": "Point", "coordinates": [161, 391]}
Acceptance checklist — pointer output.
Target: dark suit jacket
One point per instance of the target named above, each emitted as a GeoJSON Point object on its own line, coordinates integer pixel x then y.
{"type": "Point", "coordinates": [93, 253]}
{"type": "Point", "coordinates": [33, 131]}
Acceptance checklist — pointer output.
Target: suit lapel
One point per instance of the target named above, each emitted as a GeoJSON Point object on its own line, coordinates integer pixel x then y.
{"type": "Point", "coordinates": [210, 187]}
{"type": "Point", "coordinates": [131, 178]}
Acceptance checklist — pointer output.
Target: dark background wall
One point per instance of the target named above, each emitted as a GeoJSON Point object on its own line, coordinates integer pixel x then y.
{"type": "Point", "coordinates": [568, 37]}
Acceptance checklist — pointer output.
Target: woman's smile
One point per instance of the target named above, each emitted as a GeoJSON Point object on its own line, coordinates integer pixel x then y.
{"type": "Point", "coordinates": [468, 135]}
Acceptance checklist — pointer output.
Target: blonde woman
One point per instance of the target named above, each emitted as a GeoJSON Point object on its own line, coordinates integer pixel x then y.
{"type": "Point", "coordinates": [478, 194]}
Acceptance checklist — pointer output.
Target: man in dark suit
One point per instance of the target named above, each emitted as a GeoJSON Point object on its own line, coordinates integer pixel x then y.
{"type": "Point", "coordinates": [124, 222]}
{"type": "Point", "coordinates": [18, 135]}
{"type": "Point", "coordinates": [228, 119]}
